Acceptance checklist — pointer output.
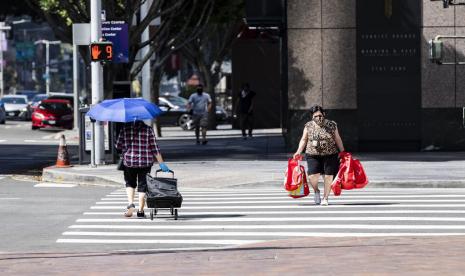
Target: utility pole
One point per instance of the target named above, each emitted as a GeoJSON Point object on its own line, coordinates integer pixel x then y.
{"type": "Point", "coordinates": [47, 61]}
{"type": "Point", "coordinates": [3, 29]}
{"type": "Point", "coordinates": [97, 77]}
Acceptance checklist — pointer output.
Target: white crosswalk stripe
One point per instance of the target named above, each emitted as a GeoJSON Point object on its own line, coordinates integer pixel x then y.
{"type": "Point", "coordinates": [223, 218]}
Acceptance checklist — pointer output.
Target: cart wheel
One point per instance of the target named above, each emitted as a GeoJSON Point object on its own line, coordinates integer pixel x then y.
{"type": "Point", "coordinates": [151, 214]}
{"type": "Point", "coordinates": [172, 211]}
{"type": "Point", "coordinates": [175, 214]}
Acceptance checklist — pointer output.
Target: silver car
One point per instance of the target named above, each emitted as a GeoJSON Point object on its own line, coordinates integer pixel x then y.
{"type": "Point", "coordinates": [2, 113]}
{"type": "Point", "coordinates": [16, 106]}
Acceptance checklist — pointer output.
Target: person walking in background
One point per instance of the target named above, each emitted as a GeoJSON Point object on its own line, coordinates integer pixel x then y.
{"type": "Point", "coordinates": [245, 103]}
{"type": "Point", "coordinates": [200, 103]}
{"type": "Point", "coordinates": [139, 149]}
{"type": "Point", "coordinates": [322, 141]}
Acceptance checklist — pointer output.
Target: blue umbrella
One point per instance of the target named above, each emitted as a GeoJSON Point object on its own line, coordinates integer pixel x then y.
{"type": "Point", "coordinates": [124, 110]}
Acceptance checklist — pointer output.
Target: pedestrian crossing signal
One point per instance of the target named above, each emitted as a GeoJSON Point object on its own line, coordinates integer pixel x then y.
{"type": "Point", "coordinates": [101, 51]}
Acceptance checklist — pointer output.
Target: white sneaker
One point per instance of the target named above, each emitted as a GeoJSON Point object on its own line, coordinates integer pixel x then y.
{"type": "Point", "coordinates": [324, 202]}
{"type": "Point", "coordinates": [317, 198]}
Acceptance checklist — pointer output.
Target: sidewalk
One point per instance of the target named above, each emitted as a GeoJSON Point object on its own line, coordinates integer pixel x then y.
{"type": "Point", "coordinates": [229, 161]}
{"type": "Point", "coordinates": [310, 256]}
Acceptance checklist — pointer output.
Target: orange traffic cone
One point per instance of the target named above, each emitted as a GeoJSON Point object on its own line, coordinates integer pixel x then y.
{"type": "Point", "coordinates": [63, 157]}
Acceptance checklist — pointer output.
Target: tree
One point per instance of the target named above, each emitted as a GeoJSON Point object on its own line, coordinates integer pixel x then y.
{"type": "Point", "coordinates": [207, 52]}
{"type": "Point", "coordinates": [179, 26]}
{"type": "Point", "coordinates": [16, 8]}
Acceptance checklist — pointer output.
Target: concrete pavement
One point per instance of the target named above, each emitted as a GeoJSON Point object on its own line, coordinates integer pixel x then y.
{"type": "Point", "coordinates": [229, 161]}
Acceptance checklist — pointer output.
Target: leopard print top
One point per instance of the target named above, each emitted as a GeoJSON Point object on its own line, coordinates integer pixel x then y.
{"type": "Point", "coordinates": [325, 135]}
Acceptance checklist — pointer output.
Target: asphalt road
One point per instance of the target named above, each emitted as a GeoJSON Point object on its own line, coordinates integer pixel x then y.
{"type": "Point", "coordinates": [33, 217]}
{"type": "Point", "coordinates": [26, 151]}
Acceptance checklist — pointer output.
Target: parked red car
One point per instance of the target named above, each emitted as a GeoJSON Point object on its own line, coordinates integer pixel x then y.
{"type": "Point", "coordinates": [53, 113]}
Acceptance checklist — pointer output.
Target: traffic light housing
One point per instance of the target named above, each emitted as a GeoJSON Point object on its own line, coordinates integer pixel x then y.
{"type": "Point", "coordinates": [101, 51]}
{"type": "Point", "coordinates": [436, 48]}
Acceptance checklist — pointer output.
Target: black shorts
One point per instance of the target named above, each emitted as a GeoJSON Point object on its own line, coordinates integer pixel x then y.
{"type": "Point", "coordinates": [324, 164]}
{"type": "Point", "coordinates": [137, 177]}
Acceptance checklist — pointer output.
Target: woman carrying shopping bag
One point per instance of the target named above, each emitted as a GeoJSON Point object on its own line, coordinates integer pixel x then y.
{"type": "Point", "coordinates": [321, 141]}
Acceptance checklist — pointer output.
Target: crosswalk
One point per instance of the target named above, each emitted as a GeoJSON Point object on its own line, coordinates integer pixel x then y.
{"type": "Point", "coordinates": [232, 217]}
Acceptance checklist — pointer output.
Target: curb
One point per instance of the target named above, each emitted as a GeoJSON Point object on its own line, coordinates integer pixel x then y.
{"type": "Point", "coordinates": [53, 174]}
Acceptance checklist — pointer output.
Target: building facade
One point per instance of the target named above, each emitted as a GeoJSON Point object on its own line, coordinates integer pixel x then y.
{"type": "Point", "coordinates": [367, 63]}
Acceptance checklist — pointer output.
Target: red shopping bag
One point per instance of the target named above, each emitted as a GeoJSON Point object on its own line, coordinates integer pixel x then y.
{"type": "Point", "coordinates": [295, 179]}
{"type": "Point", "coordinates": [351, 175]}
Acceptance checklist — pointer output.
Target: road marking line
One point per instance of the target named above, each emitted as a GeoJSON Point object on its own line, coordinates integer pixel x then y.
{"type": "Point", "coordinates": [297, 212]}
{"type": "Point", "coordinates": [2, 141]}
{"type": "Point", "coordinates": [54, 185]}
{"type": "Point", "coordinates": [188, 198]}
{"type": "Point", "coordinates": [243, 234]}
{"type": "Point", "coordinates": [224, 242]}
{"type": "Point", "coordinates": [273, 226]}
{"type": "Point", "coordinates": [290, 200]}
{"type": "Point", "coordinates": [283, 219]}
{"type": "Point", "coordinates": [48, 136]}
{"type": "Point", "coordinates": [40, 141]}
{"type": "Point", "coordinates": [8, 127]}
{"type": "Point", "coordinates": [9, 198]}
{"type": "Point", "coordinates": [277, 193]}
{"type": "Point", "coordinates": [295, 206]}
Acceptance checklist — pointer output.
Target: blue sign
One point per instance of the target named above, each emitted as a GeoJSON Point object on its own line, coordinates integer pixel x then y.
{"type": "Point", "coordinates": [117, 33]}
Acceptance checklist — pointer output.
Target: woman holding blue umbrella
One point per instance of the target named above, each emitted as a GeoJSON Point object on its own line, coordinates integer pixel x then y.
{"type": "Point", "coordinates": [140, 149]}
{"type": "Point", "coordinates": [136, 141]}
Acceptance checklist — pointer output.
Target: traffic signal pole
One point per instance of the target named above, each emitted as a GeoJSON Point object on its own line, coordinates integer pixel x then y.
{"type": "Point", "coordinates": [97, 78]}
{"type": "Point", "coordinates": [146, 68]}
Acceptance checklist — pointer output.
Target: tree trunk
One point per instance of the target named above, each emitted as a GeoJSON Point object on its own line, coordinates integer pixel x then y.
{"type": "Point", "coordinates": [210, 88]}
{"type": "Point", "coordinates": [156, 79]}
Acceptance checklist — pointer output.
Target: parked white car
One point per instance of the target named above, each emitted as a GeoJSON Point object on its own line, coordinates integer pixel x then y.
{"type": "Point", "coordinates": [16, 106]}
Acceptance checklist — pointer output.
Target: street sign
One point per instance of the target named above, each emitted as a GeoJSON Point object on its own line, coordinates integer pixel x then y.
{"type": "Point", "coordinates": [101, 51]}
{"type": "Point", "coordinates": [117, 33]}
{"type": "Point", "coordinates": [81, 34]}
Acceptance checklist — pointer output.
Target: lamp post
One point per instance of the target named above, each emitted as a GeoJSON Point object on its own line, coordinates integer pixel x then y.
{"type": "Point", "coordinates": [47, 61]}
{"type": "Point", "coordinates": [4, 28]}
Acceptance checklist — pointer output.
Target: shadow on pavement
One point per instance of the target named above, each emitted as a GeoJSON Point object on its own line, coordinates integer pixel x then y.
{"type": "Point", "coordinates": [30, 159]}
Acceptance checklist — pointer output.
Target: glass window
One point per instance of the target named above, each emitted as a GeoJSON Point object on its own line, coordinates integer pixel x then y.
{"type": "Point", "coordinates": [55, 106]}
{"type": "Point", "coordinates": [13, 100]}
{"type": "Point", "coordinates": [179, 101]}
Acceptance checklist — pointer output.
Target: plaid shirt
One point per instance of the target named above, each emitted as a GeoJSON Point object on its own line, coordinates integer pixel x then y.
{"type": "Point", "coordinates": [139, 146]}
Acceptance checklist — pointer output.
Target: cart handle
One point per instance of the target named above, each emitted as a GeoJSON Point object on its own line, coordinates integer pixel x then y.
{"type": "Point", "coordinates": [160, 170]}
